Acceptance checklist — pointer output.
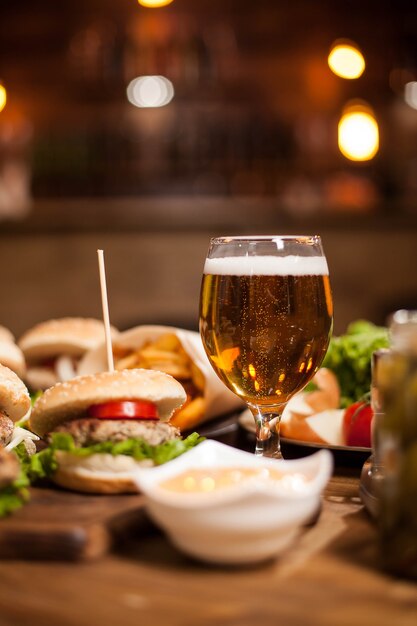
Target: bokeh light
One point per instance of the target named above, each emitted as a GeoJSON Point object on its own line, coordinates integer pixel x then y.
{"type": "Point", "coordinates": [358, 134]}
{"type": "Point", "coordinates": [346, 60]}
{"type": "Point", "coordinates": [3, 97]}
{"type": "Point", "coordinates": [150, 91]}
{"type": "Point", "coordinates": [154, 4]}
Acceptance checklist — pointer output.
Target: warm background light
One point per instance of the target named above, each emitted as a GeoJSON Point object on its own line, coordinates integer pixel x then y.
{"type": "Point", "coordinates": [150, 91]}
{"type": "Point", "coordinates": [154, 4]}
{"type": "Point", "coordinates": [3, 97]}
{"type": "Point", "coordinates": [410, 94]}
{"type": "Point", "coordinates": [347, 61]}
{"type": "Point", "coordinates": [358, 135]}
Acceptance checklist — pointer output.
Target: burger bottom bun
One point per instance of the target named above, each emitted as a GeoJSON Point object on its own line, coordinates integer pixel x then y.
{"type": "Point", "coordinates": [90, 482]}
{"type": "Point", "coordinates": [40, 378]}
{"type": "Point", "coordinates": [98, 473]}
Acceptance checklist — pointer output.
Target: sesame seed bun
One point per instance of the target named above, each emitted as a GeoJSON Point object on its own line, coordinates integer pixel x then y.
{"type": "Point", "coordinates": [69, 400]}
{"type": "Point", "coordinates": [69, 335]}
{"type": "Point", "coordinates": [14, 397]}
{"type": "Point", "coordinates": [6, 336]}
{"type": "Point", "coordinates": [12, 357]}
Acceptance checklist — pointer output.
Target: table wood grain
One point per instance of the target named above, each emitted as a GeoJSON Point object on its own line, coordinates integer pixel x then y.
{"type": "Point", "coordinates": [61, 525]}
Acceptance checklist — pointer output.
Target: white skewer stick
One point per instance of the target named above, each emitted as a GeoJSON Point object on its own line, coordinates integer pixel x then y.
{"type": "Point", "coordinates": [105, 305]}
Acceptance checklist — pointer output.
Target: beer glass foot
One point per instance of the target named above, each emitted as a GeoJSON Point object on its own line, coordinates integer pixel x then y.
{"type": "Point", "coordinates": [267, 421]}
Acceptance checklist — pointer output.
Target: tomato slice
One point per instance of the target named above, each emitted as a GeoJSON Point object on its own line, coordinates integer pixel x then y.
{"type": "Point", "coordinates": [124, 409]}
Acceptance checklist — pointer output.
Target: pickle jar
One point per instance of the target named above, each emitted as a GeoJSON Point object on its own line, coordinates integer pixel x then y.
{"type": "Point", "coordinates": [397, 448]}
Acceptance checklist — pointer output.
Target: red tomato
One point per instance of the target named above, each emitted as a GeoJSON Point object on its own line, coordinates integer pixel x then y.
{"type": "Point", "coordinates": [357, 424]}
{"type": "Point", "coordinates": [124, 409]}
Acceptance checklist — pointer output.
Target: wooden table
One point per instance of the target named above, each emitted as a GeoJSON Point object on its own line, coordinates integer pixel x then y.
{"type": "Point", "coordinates": [330, 576]}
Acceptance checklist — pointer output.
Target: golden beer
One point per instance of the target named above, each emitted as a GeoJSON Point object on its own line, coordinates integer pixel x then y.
{"type": "Point", "coordinates": [266, 323]}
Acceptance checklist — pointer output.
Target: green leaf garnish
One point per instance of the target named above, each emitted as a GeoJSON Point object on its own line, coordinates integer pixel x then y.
{"type": "Point", "coordinates": [349, 357]}
{"type": "Point", "coordinates": [44, 463]}
{"type": "Point", "coordinates": [16, 494]}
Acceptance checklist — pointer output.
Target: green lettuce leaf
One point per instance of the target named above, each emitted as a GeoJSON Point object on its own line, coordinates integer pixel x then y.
{"type": "Point", "coordinates": [349, 357]}
{"type": "Point", "coordinates": [11, 499]}
{"type": "Point", "coordinates": [16, 494]}
{"type": "Point", "coordinates": [35, 395]}
{"type": "Point", "coordinates": [25, 422]}
{"type": "Point", "coordinates": [44, 463]}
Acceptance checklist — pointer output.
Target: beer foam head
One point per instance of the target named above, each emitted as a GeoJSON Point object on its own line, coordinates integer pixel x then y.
{"type": "Point", "coordinates": [267, 266]}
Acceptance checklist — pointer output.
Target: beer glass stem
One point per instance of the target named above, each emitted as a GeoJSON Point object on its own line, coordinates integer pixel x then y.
{"type": "Point", "coordinates": [267, 421]}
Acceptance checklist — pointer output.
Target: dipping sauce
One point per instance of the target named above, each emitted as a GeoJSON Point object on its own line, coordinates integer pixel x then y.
{"type": "Point", "coordinates": [213, 479]}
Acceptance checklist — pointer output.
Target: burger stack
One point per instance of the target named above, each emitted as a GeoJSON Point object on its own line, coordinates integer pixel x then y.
{"type": "Point", "coordinates": [14, 406]}
{"type": "Point", "coordinates": [52, 349]}
{"type": "Point", "coordinates": [98, 428]}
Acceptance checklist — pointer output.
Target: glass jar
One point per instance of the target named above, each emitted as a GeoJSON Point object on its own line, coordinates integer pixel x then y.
{"type": "Point", "coordinates": [373, 471]}
{"type": "Point", "coordinates": [397, 447]}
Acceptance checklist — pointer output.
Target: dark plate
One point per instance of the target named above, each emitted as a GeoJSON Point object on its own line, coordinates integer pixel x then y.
{"type": "Point", "coordinates": [224, 428]}
{"type": "Point", "coordinates": [319, 446]}
{"type": "Point", "coordinates": [293, 448]}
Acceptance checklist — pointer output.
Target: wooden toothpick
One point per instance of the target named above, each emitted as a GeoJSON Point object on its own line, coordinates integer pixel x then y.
{"type": "Point", "coordinates": [105, 305]}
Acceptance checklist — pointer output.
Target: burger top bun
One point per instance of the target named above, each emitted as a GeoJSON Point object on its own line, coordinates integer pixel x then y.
{"type": "Point", "coordinates": [69, 400]}
{"type": "Point", "coordinates": [14, 397]}
{"type": "Point", "coordinates": [11, 356]}
{"type": "Point", "coordinates": [68, 335]}
{"type": "Point", "coordinates": [5, 335]}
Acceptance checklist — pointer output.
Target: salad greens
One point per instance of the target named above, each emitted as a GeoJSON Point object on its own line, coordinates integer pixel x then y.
{"type": "Point", "coordinates": [11, 498]}
{"type": "Point", "coordinates": [16, 494]}
{"type": "Point", "coordinates": [44, 463]}
{"type": "Point", "coordinates": [349, 357]}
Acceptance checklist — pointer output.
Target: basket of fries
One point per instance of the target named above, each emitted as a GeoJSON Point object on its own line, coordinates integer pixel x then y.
{"type": "Point", "coordinates": [177, 352]}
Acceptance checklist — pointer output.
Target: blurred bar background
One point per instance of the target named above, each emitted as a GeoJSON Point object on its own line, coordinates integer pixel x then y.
{"type": "Point", "coordinates": [144, 131]}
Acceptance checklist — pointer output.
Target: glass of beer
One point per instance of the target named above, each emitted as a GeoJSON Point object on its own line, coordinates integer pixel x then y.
{"type": "Point", "coordinates": [266, 316]}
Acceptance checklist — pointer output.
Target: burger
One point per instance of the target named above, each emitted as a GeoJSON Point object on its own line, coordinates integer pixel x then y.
{"type": "Point", "coordinates": [15, 407]}
{"type": "Point", "coordinates": [16, 443]}
{"type": "Point", "coordinates": [102, 427]}
{"type": "Point", "coordinates": [10, 354]}
{"type": "Point", "coordinates": [53, 348]}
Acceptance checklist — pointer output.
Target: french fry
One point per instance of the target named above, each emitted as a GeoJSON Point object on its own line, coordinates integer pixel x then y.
{"type": "Point", "coordinates": [190, 415]}
{"type": "Point", "coordinates": [166, 354]}
{"type": "Point", "coordinates": [152, 354]}
{"type": "Point", "coordinates": [127, 362]}
{"type": "Point", "coordinates": [177, 371]}
{"type": "Point", "coordinates": [168, 342]}
{"type": "Point", "coordinates": [197, 377]}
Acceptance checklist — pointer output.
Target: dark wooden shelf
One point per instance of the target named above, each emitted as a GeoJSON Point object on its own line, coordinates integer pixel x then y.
{"type": "Point", "coordinates": [195, 214]}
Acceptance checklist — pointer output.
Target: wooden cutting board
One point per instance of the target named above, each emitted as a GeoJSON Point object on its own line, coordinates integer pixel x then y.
{"type": "Point", "coordinates": [61, 525]}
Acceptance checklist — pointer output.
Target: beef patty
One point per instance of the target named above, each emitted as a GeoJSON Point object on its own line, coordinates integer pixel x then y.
{"type": "Point", "coordinates": [6, 429]}
{"type": "Point", "coordinates": [89, 430]}
{"type": "Point", "coordinates": [9, 468]}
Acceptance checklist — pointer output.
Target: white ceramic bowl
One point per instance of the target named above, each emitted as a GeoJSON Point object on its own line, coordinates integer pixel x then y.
{"type": "Point", "coordinates": [245, 523]}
